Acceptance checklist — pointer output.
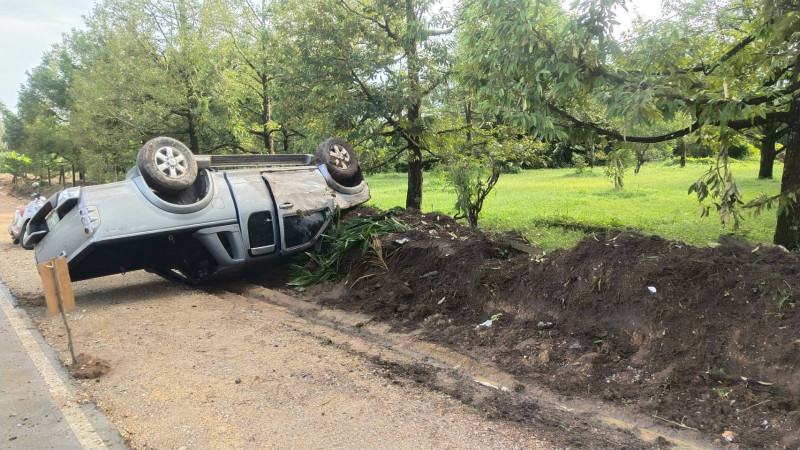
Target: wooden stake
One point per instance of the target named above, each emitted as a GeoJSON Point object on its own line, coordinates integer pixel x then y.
{"type": "Point", "coordinates": [58, 293]}
{"type": "Point", "coordinates": [64, 316]}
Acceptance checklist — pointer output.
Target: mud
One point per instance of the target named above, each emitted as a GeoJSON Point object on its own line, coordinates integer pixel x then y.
{"type": "Point", "coordinates": [697, 338]}
{"type": "Point", "coordinates": [87, 367]}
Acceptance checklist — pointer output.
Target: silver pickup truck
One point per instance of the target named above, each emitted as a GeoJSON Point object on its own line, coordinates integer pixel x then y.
{"type": "Point", "coordinates": [192, 218]}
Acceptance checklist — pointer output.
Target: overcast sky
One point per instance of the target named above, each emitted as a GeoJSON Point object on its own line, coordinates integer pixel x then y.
{"type": "Point", "coordinates": [28, 28]}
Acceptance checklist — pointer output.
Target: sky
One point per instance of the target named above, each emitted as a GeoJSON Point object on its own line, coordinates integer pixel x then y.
{"type": "Point", "coordinates": [28, 28]}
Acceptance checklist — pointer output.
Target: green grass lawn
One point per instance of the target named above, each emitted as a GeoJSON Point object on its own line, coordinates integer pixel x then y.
{"type": "Point", "coordinates": [554, 207]}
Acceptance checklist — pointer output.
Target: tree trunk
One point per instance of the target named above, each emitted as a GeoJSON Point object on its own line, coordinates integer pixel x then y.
{"type": "Point", "coordinates": [787, 230]}
{"type": "Point", "coordinates": [62, 178]}
{"type": "Point", "coordinates": [194, 139]}
{"type": "Point", "coordinates": [73, 174]}
{"type": "Point", "coordinates": [285, 134]}
{"type": "Point", "coordinates": [684, 148]}
{"type": "Point", "coordinates": [266, 109]}
{"type": "Point", "coordinates": [468, 120]}
{"type": "Point", "coordinates": [414, 191]}
{"type": "Point", "coordinates": [415, 165]}
{"type": "Point", "coordinates": [269, 139]}
{"type": "Point", "coordinates": [767, 156]}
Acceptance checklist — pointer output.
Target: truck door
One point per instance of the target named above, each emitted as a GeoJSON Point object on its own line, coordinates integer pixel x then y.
{"type": "Point", "coordinates": [256, 211]}
{"type": "Point", "coordinates": [304, 205]}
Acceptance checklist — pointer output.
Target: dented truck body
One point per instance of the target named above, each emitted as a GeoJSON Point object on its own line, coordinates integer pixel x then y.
{"type": "Point", "coordinates": [228, 219]}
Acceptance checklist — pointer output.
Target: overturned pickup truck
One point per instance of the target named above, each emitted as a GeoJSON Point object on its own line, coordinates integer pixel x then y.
{"type": "Point", "coordinates": [192, 218]}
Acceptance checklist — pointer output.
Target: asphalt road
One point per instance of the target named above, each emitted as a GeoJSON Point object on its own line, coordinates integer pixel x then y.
{"type": "Point", "coordinates": [36, 394]}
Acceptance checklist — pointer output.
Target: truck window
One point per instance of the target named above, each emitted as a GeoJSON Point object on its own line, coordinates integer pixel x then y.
{"type": "Point", "coordinates": [301, 229]}
{"type": "Point", "coordinates": [260, 230]}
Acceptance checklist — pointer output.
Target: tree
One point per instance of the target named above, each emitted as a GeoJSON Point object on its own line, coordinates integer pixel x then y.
{"type": "Point", "coordinates": [475, 167]}
{"type": "Point", "coordinates": [45, 109]}
{"type": "Point", "coordinates": [251, 79]}
{"type": "Point", "coordinates": [724, 66]}
{"type": "Point", "coordinates": [14, 163]}
{"type": "Point", "coordinates": [375, 65]}
{"type": "Point", "coordinates": [5, 115]}
{"type": "Point", "coordinates": [3, 143]}
{"type": "Point", "coordinates": [147, 68]}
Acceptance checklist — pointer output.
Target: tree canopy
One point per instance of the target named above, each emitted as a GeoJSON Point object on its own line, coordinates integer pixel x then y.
{"type": "Point", "coordinates": [723, 65]}
{"type": "Point", "coordinates": [414, 84]}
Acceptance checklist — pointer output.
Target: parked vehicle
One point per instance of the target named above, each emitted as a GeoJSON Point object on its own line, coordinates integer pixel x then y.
{"type": "Point", "coordinates": [194, 218]}
{"type": "Point", "coordinates": [22, 215]}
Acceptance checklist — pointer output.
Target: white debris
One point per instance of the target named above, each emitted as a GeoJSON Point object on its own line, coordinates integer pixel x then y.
{"type": "Point", "coordinates": [486, 324]}
{"type": "Point", "coordinates": [652, 289]}
{"type": "Point", "coordinates": [486, 383]}
{"type": "Point", "coordinates": [730, 436]}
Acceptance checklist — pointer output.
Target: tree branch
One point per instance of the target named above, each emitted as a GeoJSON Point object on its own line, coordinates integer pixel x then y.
{"type": "Point", "coordinates": [433, 33]}
{"type": "Point", "coordinates": [757, 100]}
{"type": "Point", "coordinates": [387, 161]}
{"type": "Point", "coordinates": [452, 130]}
{"type": "Point", "coordinates": [383, 26]}
{"type": "Point", "coordinates": [703, 67]}
{"type": "Point", "coordinates": [778, 116]}
{"type": "Point", "coordinates": [361, 85]}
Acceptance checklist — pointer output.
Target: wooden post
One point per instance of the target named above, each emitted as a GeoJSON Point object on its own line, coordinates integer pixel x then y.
{"type": "Point", "coordinates": [58, 293]}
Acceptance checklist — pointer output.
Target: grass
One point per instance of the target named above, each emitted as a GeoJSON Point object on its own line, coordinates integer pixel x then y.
{"type": "Point", "coordinates": [555, 208]}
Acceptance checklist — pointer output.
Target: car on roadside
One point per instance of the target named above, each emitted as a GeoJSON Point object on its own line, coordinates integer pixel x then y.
{"type": "Point", "coordinates": [194, 218]}
{"type": "Point", "coordinates": [22, 215]}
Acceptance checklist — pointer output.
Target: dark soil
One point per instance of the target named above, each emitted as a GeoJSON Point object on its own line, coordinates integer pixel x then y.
{"type": "Point", "coordinates": [716, 347]}
{"type": "Point", "coordinates": [88, 367]}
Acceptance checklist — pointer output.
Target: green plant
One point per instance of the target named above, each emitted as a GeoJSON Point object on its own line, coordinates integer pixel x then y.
{"type": "Point", "coordinates": [14, 163]}
{"type": "Point", "coordinates": [784, 301]}
{"type": "Point", "coordinates": [722, 392]}
{"type": "Point", "coordinates": [472, 182]}
{"type": "Point", "coordinates": [615, 168]}
{"type": "Point", "coordinates": [361, 232]}
{"type": "Point", "coordinates": [579, 162]}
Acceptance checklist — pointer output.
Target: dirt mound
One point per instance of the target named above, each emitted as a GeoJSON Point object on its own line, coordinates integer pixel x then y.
{"type": "Point", "coordinates": [701, 338]}
{"type": "Point", "coordinates": [88, 367]}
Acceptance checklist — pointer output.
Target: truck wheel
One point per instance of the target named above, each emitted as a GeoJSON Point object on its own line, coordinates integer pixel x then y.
{"type": "Point", "coordinates": [166, 165]}
{"type": "Point", "coordinates": [339, 158]}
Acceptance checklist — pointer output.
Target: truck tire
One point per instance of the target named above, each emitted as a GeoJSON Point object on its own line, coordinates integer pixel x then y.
{"type": "Point", "coordinates": [339, 158]}
{"type": "Point", "coordinates": [166, 165]}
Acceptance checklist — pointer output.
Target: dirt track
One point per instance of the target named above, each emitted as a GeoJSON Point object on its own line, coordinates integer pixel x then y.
{"type": "Point", "coordinates": [191, 369]}
{"type": "Point", "coordinates": [243, 366]}
{"type": "Point", "coordinates": [199, 370]}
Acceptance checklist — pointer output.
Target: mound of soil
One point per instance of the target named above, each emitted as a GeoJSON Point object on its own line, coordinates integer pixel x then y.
{"type": "Point", "coordinates": [88, 367]}
{"type": "Point", "coordinates": [697, 337]}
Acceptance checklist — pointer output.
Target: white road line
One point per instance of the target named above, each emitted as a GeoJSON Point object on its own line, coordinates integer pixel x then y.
{"type": "Point", "coordinates": [83, 429]}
